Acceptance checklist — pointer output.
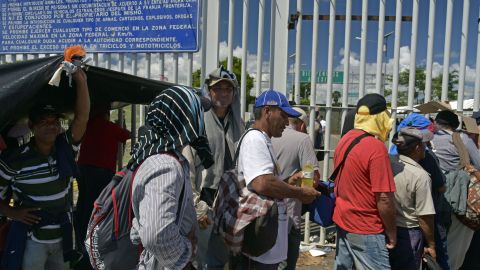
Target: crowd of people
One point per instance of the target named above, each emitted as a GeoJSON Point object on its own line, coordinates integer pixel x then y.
{"type": "Point", "coordinates": [391, 209]}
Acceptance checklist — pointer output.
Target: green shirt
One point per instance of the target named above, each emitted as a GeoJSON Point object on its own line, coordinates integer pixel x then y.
{"type": "Point", "coordinates": [33, 180]}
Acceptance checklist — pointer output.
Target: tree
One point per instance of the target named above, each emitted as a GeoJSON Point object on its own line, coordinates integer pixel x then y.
{"type": "Point", "coordinates": [420, 78]}
{"type": "Point", "coordinates": [237, 70]}
{"type": "Point", "coordinates": [452, 82]}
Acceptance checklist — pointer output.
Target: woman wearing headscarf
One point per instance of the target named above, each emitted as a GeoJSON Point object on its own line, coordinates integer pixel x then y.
{"type": "Point", "coordinates": [165, 221]}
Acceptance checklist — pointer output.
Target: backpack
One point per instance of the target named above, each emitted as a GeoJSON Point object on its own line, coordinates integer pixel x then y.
{"type": "Point", "coordinates": [108, 241]}
{"type": "Point", "coordinates": [321, 209]}
{"type": "Point", "coordinates": [247, 221]}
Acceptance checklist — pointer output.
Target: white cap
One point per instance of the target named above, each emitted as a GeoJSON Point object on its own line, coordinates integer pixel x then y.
{"type": "Point", "coordinates": [303, 115]}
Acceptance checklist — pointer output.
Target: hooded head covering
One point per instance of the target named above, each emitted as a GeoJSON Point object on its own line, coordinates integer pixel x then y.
{"type": "Point", "coordinates": [222, 134]}
{"type": "Point", "coordinates": [414, 120]}
{"type": "Point", "coordinates": [447, 118]}
{"type": "Point", "coordinates": [175, 118]}
{"type": "Point", "coordinates": [373, 117]}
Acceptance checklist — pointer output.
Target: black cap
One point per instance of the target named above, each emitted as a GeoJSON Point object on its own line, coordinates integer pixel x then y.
{"type": "Point", "coordinates": [39, 111]}
{"type": "Point", "coordinates": [374, 102]}
{"type": "Point", "coordinates": [447, 118]}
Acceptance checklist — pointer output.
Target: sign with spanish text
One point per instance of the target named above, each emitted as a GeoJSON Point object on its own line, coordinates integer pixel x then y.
{"type": "Point", "coordinates": [48, 26]}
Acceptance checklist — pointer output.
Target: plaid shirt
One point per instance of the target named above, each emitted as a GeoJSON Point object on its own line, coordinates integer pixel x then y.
{"type": "Point", "coordinates": [235, 207]}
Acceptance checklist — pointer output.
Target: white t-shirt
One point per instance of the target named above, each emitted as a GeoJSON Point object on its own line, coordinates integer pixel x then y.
{"type": "Point", "coordinates": [255, 159]}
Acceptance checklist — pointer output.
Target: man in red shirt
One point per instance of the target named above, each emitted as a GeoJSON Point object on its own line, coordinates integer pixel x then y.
{"type": "Point", "coordinates": [365, 209]}
{"type": "Point", "coordinates": [97, 162]}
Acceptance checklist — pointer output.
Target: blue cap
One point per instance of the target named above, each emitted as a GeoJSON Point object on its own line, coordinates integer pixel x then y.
{"type": "Point", "coordinates": [274, 98]}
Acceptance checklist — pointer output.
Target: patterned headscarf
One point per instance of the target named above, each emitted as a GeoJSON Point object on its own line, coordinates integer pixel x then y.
{"type": "Point", "coordinates": [175, 118]}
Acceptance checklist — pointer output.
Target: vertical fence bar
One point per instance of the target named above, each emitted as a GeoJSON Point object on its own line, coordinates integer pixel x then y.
{"type": "Point", "coordinates": [133, 131]}
{"type": "Point", "coordinates": [446, 52]}
{"type": "Point", "coordinates": [298, 52]}
{"type": "Point", "coordinates": [328, 115]}
{"type": "Point", "coordinates": [463, 55]}
{"type": "Point", "coordinates": [381, 31]}
{"type": "Point", "coordinates": [413, 56]}
{"type": "Point", "coordinates": [476, 90]}
{"type": "Point", "coordinates": [203, 66]}
{"type": "Point", "coordinates": [396, 61]}
{"type": "Point", "coordinates": [121, 60]}
{"type": "Point", "coordinates": [231, 20]}
{"type": "Point", "coordinates": [3, 59]}
{"type": "Point", "coordinates": [363, 49]}
{"type": "Point", "coordinates": [175, 67]}
{"type": "Point", "coordinates": [95, 59]}
{"type": "Point", "coordinates": [189, 68]}
{"type": "Point", "coordinates": [243, 84]}
{"type": "Point", "coordinates": [261, 27]}
{"type": "Point", "coordinates": [272, 43]}
{"type": "Point", "coordinates": [431, 33]}
{"type": "Point", "coordinates": [346, 57]}
{"type": "Point", "coordinates": [161, 68]}
{"type": "Point", "coordinates": [313, 98]}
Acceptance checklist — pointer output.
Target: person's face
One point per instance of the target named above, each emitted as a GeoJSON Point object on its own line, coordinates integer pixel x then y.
{"type": "Point", "coordinates": [222, 94]}
{"type": "Point", "coordinates": [46, 128]}
{"type": "Point", "coordinates": [277, 120]}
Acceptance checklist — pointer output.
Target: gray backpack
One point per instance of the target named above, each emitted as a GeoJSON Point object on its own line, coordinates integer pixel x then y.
{"type": "Point", "coordinates": [108, 241]}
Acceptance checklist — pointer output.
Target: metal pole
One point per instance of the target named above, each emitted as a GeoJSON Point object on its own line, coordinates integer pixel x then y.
{"type": "Point", "coordinates": [175, 67]}
{"type": "Point", "coordinates": [243, 85]}
{"type": "Point", "coordinates": [476, 90]}
{"type": "Point", "coordinates": [413, 56]}
{"type": "Point", "coordinates": [203, 66]}
{"type": "Point", "coordinates": [261, 27]}
{"type": "Point", "coordinates": [133, 131]}
{"type": "Point", "coordinates": [346, 57]}
{"type": "Point", "coordinates": [95, 59]}
{"type": "Point", "coordinates": [446, 52]}
{"type": "Point", "coordinates": [231, 17]}
{"type": "Point", "coordinates": [189, 68]}
{"type": "Point", "coordinates": [431, 33]}
{"type": "Point", "coordinates": [396, 61]}
{"type": "Point", "coordinates": [272, 43]}
{"type": "Point", "coordinates": [121, 60]}
{"type": "Point", "coordinates": [298, 52]}
{"type": "Point", "coordinates": [463, 55]}
{"type": "Point", "coordinates": [363, 49]}
{"type": "Point", "coordinates": [3, 59]}
{"type": "Point", "coordinates": [313, 97]}
{"type": "Point", "coordinates": [161, 59]}
{"type": "Point", "coordinates": [381, 27]}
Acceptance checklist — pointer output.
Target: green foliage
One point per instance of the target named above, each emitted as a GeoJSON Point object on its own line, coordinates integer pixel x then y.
{"type": "Point", "coordinates": [237, 70]}
{"type": "Point", "coordinates": [420, 78]}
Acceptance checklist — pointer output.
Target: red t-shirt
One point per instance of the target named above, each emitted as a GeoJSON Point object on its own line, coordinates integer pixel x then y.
{"type": "Point", "coordinates": [100, 143]}
{"type": "Point", "coordinates": [366, 171]}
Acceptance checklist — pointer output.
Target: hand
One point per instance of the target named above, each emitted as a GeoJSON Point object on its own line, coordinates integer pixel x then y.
{"type": "Point", "coordinates": [203, 222]}
{"type": "Point", "coordinates": [192, 236]}
{"type": "Point", "coordinates": [316, 178]}
{"type": "Point", "coordinates": [430, 250]}
{"type": "Point", "coordinates": [309, 194]}
{"type": "Point", "coordinates": [295, 179]}
{"type": "Point", "coordinates": [24, 215]}
{"type": "Point", "coordinates": [80, 76]}
{"type": "Point", "coordinates": [392, 242]}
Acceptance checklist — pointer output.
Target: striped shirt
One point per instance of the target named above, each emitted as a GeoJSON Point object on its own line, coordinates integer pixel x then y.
{"type": "Point", "coordinates": [155, 200]}
{"type": "Point", "coordinates": [34, 181]}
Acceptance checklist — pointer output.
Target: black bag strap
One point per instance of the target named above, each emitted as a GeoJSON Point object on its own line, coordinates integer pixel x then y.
{"type": "Point", "coordinates": [355, 141]}
{"type": "Point", "coordinates": [237, 151]}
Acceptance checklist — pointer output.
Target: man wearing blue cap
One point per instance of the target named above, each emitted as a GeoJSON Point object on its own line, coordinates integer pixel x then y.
{"type": "Point", "coordinates": [258, 165]}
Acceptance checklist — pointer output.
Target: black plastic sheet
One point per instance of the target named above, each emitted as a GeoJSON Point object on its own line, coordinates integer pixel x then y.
{"type": "Point", "coordinates": [24, 84]}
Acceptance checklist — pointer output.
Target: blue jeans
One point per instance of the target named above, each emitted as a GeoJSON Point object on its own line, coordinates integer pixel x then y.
{"type": "Point", "coordinates": [360, 251]}
{"type": "Point", "coordinates": [40, 256]}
